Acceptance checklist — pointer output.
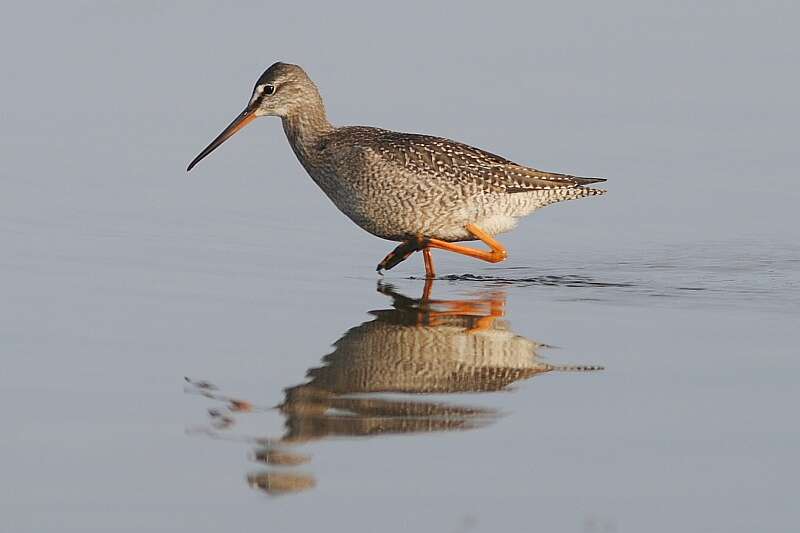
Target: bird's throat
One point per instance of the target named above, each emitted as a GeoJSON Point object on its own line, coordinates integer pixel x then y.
{"type": "Point", "coordinates": [305, 131]}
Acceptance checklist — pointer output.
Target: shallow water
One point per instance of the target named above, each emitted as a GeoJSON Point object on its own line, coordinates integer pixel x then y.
{"type": "Point", "coordinates": [214, 351]}
{"type": "Point", "coordinates": [359, 401]}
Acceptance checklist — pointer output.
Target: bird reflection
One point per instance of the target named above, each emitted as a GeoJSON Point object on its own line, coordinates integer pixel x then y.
{"type": "Point", "coordinates": [418, 346]}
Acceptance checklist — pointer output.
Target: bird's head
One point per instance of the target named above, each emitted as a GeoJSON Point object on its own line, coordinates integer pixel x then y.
{"type": "Point", "coordinates": [282, 90]}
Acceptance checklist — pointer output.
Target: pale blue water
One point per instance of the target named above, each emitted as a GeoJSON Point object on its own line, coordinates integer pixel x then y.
{"type": "Point", "coordinates": [691, 412]}
{"type": "Point", "coordinates": [121, 275]}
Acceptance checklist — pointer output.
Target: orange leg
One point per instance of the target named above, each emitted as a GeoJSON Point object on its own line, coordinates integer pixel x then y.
{"type": "Point", "coordinates": [404, 250]}
{"type": "Point", "coordinates": [430, 271]}
{"type": "Point", "coordinates": [399, 254]}
{"type": "Point", "coordinates": [497, 254]}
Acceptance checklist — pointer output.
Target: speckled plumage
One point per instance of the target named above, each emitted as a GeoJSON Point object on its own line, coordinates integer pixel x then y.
{"type": "Point", "coordinates": [399, 185]}
{"type": "Point", "coordinates": [414, 347]}
{"type": "Point", "coordinates": [402, 186]}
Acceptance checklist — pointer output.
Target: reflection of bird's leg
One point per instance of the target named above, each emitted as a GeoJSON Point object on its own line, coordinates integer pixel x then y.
{"type": "Point", "coordinates": [497, 254]}
{"type": "Point", "coordinates": [426, 291]}
{"type": "Point", "coordinates": [491, 308]}
{"type": "Point", "coordinates": [431, 312]}
{"type": "Point", "coordinates": [486, 311]}
{"type": "Point", "coordinates": [496, 310]}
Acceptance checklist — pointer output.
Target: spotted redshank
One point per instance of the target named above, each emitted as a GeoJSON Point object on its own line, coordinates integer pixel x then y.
{"type": "Point", "coordinates": [425, 192]}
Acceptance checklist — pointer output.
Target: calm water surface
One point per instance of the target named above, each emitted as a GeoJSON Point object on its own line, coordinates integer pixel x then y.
{"type": "Point", "coordinates": [322, 398]}
{"type": "Point", "coordinates": [197, 401]}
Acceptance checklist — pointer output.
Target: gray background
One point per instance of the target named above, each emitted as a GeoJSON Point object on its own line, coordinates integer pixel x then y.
{"type": "Point", "coordinates": [120, 273]}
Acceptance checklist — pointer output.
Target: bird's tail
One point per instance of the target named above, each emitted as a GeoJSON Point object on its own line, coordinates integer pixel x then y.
{"type": "Point", "coordinates": [562, 195]}
{"type": "Point", "coordinates": [586, 181]}
{"type": "Point", "coordinates": [574, 368]}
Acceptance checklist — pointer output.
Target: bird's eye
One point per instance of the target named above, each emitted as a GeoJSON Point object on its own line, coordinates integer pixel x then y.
{"type": "Point", "coordinates": [269, 89]}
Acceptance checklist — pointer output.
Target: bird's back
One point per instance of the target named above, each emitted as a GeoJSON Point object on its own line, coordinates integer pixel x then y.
{"type": "Point", "coordinates": [458, 163]}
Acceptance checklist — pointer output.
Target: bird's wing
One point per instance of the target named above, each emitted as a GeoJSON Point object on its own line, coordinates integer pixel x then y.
{"type": "Point", "coordinates": [463, 163]}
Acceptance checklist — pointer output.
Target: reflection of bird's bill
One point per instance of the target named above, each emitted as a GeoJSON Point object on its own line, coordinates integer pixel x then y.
{"type": "Point", "coordinates": [234, 405]}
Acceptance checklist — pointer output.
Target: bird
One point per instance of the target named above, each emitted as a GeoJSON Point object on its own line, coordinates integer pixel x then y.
{"type": "Point", "coordinates": [422, 191]}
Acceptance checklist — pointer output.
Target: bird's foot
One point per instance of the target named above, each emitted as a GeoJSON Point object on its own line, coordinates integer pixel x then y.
{"type": "Point", "coordinates": [400, 254]}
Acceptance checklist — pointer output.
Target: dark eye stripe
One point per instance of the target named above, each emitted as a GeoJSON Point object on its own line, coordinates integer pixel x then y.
{"type": "Point", "coordinates": [267, 91]}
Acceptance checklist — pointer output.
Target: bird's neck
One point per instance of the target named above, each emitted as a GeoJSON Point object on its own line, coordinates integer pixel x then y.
{"type": "Point", "coordinates": [305, 129]}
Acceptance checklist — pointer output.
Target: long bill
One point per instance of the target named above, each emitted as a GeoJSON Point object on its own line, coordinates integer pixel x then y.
{"type": "Point", "coordinates": [245, 117]}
